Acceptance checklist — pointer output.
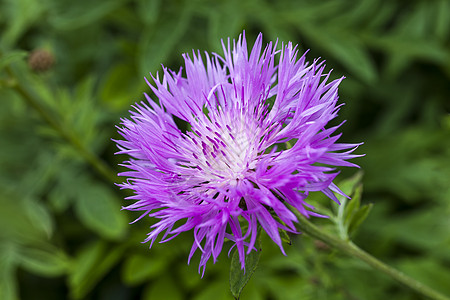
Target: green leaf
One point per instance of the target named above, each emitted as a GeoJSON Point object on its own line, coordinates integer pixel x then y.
{"type": "Point", "coordinates": [8, 285]}
{"type": "Point", "coordinates": [347, 186]}
{"type": "Point", "coordinates": [345, 47]}
{"type": "Point", "coordinates": [411, 48]}
{"type": "Point", "coordinates": [189, 277]}
{"type": "Point", "coordinates": [429, 271]}
{"type": "Point", "coordinates": [442, 27]}
{"type": "Point", "coordinates": [163, 288]}
{"type": "Point", "coordinates": [223, 22]}
{"type": "Point", "coordinates": [11, 57]}
{"type": "Point", "coordinates": [16, 222]}
{"type": "Point", "coordinates": [239, 277]}
{"type": "Point", "coordinates": [215, 291]}
{"type": "Point", "coordinates": [91, 264]}
{"type": "Point", "coordinates": [353, 205]}
{"type": "Point", "coordinates": [412, 229]}
{"type": "Point", "coordinates": [301, 14]}
{"type": "Point", "coordinates": [71, 15]}
{"type": "Point", "coordinates": [148, 10]}
{"type": "Point", "coordinates": [139, 268]}
{"type": "Point", "coordinates": [21, 15]}
{"type": "Point", "coordinates": [8, 263]}
{"type": "Point", "coordinates": [359, 217]}
{"type": "Point", "coordinates": [40, 216]}
{"type": "Point", "coordinates": [254, 291]}
{"type": "Point", "coordinates": [86, 261]}
{"type": "Point", "coordinates": [64, 191]}
{"type": "Point", "coordinates": [121, 86]}
{"type": "Point", "coordinates": [98, 209]}
{"type": "Point", "coordinates": [59, 199]}
{"type": "Point", "coordinates": [159, 41]}
{"type": "Point", "coordinates": [46, 262]}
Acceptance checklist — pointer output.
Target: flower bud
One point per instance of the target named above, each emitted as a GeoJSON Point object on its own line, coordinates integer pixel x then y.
{"type": "Point", "coordinates": [40, 60]}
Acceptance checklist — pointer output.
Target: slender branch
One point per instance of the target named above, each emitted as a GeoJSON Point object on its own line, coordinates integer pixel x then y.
{"type": "Point", "coordinates": [99, 165]}
{"type": "Point", "coordinates": [351, 249]}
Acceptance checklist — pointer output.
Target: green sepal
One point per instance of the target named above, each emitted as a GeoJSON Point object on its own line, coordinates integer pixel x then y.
{"type": "Point", "coordinates": [359, 217]}
{"type": "Point", "coordinates": [285, 237]}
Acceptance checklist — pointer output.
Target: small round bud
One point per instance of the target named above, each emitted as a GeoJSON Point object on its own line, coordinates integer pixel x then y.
{"type": "Point", "coordinates": [40, 60]}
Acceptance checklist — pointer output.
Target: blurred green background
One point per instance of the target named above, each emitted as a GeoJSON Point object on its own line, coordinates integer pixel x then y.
{"type": "Point", "coordinates": [69, 70]}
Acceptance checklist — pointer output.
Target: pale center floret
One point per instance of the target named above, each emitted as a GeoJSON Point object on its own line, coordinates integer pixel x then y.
{"type": "Point", "coordinates": [226, 153]}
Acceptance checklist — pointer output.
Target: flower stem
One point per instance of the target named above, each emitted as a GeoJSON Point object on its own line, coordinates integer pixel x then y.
{"type": "Point", "coordinates": [351, 249]}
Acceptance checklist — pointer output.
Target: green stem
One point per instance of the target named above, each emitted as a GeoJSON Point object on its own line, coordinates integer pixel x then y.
{"type": "Point", "coordinates": [99, 165]}
{"type": "Point", "coordinates": [351, 249]}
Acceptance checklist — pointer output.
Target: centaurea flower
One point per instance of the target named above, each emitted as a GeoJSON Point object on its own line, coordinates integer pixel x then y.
{"type": "Point", "coordinates": [233, 166]}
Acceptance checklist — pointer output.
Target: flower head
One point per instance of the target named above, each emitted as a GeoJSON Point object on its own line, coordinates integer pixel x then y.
{"type": "Point", "coordinates": [233, 166]}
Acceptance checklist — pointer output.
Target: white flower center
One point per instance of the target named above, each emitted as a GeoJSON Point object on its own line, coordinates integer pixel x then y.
{"type": "Point", "coordinates": [225, 153]}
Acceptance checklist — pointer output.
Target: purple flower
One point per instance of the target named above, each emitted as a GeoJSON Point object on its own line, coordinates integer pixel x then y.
{"type": "Point", "coordinates": [257, 139]}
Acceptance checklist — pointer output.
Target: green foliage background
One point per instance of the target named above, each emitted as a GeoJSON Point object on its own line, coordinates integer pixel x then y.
{"type": "Point", "coordinates": [62, 232]}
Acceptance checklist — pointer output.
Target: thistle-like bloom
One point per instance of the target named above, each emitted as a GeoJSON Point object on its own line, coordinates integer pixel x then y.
{"type": "Point", "coordinates": [256, 140]}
